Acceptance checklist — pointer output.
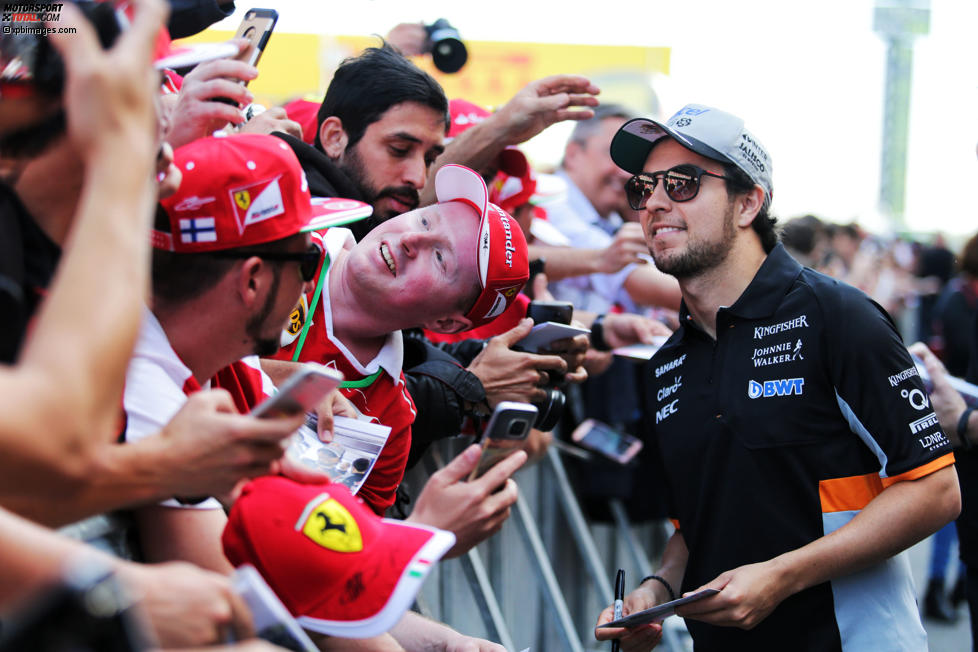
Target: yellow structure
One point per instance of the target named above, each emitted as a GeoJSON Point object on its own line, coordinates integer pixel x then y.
{"type": "Point", "coordinates": [296, 65]}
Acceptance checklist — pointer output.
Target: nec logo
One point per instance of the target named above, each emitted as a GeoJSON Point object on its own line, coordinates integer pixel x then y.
{"type": "Point", "coordinates": [782, 387]}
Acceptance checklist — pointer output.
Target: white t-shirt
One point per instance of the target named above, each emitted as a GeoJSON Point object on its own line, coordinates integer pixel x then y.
{"type": "Point", "coordinates": [158, 383]}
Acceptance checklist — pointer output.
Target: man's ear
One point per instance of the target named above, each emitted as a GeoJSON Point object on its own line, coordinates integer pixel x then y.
{"type": "Point", "coordinates": [455, 323]}
{"type": "Point", "coordinates": [248, 280]}
{"type": "Point", "coordinates": [333, 137]}
{"type": "Point", "coordinates": [748, 206]}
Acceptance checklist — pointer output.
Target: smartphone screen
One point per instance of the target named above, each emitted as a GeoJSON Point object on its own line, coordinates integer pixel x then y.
{"type": "Point", "coordinates": [257, 27]}
{"type": "Point", "coordinates": [604, 439]}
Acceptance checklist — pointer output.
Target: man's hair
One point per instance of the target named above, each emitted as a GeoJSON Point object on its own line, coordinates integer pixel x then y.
{"type": "Point", "coordinates": [801, 234]}
{"type": "Point", "coordinates": [738, 183]}
{"type": "Point", "coordinates": [365, 86]}
{"type": "Point", "coordinates": [584, 129]}
{"type": "Point", "coordinates": [180, 277]}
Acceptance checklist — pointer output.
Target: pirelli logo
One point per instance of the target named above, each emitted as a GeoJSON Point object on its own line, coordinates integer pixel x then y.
{"type": "Point", "coordinates": [924, 423]}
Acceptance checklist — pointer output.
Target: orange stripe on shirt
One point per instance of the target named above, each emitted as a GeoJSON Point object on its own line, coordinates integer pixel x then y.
{"type": "Point", "coordinates": [848, 494]}
{"type": "Point", "coordinates": [854, 492]}
{"type": "Point", "coordinates": [921, 471]}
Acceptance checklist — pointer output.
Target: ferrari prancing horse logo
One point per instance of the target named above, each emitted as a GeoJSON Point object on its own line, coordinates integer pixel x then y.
{"type": "Point", "coordinates": [243, 199]}
{"type": "Point", "coordinates": [330, 525]}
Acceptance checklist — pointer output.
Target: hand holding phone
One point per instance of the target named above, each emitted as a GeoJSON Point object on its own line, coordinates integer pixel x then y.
{"type": "Point", "coordinates": [505, 433]}
{"type": "Point", "coordinates": [301, 393]}
{"type": "Point", "coordinates": [602, 438]}
{"type": "Point", "coordinates": [256, 27]}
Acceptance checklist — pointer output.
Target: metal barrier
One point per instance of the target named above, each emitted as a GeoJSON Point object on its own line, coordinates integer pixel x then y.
{"type": "Point", "coordinates": [544, 578]}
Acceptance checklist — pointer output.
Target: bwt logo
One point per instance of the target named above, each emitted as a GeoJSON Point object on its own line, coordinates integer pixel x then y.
{"type": "Point", "coordinates": [782, 387]}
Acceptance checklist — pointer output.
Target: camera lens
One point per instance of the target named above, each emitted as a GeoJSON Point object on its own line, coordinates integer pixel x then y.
{"type": "Point", "coordinates": [550, 410]}
{"type": "Point", "coordinates": [448, 52]}
{"type": "Point", "coordinates": [517, 428]}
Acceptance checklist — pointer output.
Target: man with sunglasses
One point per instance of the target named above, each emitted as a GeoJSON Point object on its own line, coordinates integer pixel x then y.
{"type": "Point", "coordinates": [799, 448]}
{"type": "Point", "coordinates": [232, 257]}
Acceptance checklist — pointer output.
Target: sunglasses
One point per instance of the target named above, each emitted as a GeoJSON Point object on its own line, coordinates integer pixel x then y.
{"type": "Point", "coordinates": [681, 183]}
{"type": "Point", "coordinates": [308, 260]}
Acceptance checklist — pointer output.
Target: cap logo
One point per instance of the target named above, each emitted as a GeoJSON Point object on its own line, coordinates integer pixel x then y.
{"type": "Point", "coordinates": [498, 306]}
{"type": "Point", "coordinates": [752, 152]}
{"type": "Point", "coordinates": [198, 229]}
{"type": "Point", "coordinates": [683, 122]}
{"type": "Point", "coordinates": [685, 111]}
{"type": "Point", "coordinates": [243, 199]}
{"type": "Point", "coordinates": [328, 524]}
{"type": "Point", "coordinates": [509, 238]}
{"type": "Point", "coordinates": [257, 202]}
{"type": "Point", "coordinates": [193, 203]}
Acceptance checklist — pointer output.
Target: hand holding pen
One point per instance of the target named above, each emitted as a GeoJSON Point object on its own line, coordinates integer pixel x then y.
{"type": "Point", "coordinates": [619, 597]}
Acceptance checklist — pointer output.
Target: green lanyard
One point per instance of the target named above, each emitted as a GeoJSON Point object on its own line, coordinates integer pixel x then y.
{"type": "Point", "coordinates": [355, 384]}
{"type": "Point", "coordinates": [312, 309]}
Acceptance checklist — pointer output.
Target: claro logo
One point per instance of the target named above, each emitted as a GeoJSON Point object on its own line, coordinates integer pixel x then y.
{"type": "Point", "coordinates": [781, 387]}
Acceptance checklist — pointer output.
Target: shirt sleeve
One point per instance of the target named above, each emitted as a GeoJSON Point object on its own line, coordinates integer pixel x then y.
{"type": "Point", "coordinates": [150, 400]}
{"type": "Point", "coordinates": [878, 388]}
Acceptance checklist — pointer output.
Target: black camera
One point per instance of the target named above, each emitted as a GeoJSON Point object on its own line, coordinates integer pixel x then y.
{"type": "Point", "coordinates": [447, 50]}
{"type": "Point", "coordinates": [550, 409]}
{"type": "Point", "coordinates": [30, 67]}
{"type": "Point", "coordinates": [29, 59]}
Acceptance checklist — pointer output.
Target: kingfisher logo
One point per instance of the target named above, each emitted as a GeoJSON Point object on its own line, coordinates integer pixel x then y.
{"type": "Point", "coordinates": [781, 387]}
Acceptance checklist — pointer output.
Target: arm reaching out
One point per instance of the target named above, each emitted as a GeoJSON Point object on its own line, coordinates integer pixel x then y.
{"type": "Point", "coordinates": [63, 397]}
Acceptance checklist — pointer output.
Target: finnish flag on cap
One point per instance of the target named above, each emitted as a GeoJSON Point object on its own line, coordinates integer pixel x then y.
{"type": "Point", "coordinates": [198, 229]}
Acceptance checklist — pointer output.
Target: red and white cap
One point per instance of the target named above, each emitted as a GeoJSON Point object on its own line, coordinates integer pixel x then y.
{"type": "Point", "coordinates": [510, 191]}
{"type": "Point", "coordinates": [243, 190]}
{"type": "Point", "coordinates": [338, 567]}
{"type": "Point", "coordinates": [503, 258]}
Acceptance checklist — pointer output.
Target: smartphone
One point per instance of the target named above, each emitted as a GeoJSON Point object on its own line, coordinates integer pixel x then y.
{"type": "Point", "coordinates": [505, 433]}
{"type": "Point", "coordinates": [556, 311]}
{"type": "Point", "coordinates": [271, 619]}
{"type": "Point", "coordinates": [602, 438]}
{"type": "Point", "coordinates": [300, 393]}
{"type": "Point", "coordinates": [257, 26]}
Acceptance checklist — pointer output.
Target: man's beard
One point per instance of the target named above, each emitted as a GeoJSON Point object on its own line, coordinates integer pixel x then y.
{"type": "Point", "coordinates": [266, 346]}
{"type": "Point", "coordinates": [356, 170]}
{"type": "Point", "coordinates": [699, 257]}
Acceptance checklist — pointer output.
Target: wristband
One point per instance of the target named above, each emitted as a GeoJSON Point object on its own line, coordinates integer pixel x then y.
{"type": "Point", "coordinates": [672, 594]}
{"type": "Point", "coordinates": [597, 334]}
{"type": "Point", "coordinates": [963, 428]}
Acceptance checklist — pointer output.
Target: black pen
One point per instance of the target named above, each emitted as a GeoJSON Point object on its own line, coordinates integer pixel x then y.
{"type": "Point", "coordinates": [619, 596]}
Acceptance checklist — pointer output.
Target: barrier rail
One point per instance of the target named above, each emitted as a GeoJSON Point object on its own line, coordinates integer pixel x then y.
{"type": "Point", "coordinates": [542, 580]}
